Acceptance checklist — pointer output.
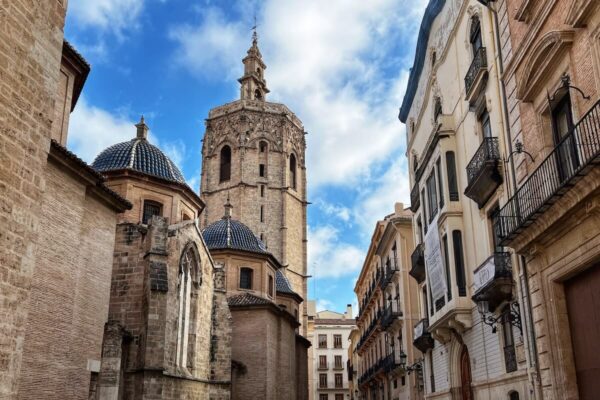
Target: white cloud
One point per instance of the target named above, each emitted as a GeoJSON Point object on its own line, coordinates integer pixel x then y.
{"type": "Point", "coordinates": [336, 210]}
{"type": "Point", "coordinates": [329, 62]}
{"type": "Point", "coordinates": [114, 16]}
{"type": "Point", "coordinates": [92, 129]}
{"type": "Point", "coordinates": [329, 256]}
{"type": "Point", "coordinates": [324, 304]}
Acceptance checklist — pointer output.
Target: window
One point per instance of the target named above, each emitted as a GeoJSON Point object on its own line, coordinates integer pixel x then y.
{"type": "Point", "coordinates": [337, 341]}
{"type": "Point", "coordinates": [322, 380]}
{"type": "Point", "coordinates": [437, 108]}
{"type": "Point", "coordinates": [510, 359]}
{"type": "Point", "coordinates": [484, 121]}
{"type": "Point", "coordinates": [339, 396]}
{"type": "Point", "coordinates": [225, 164]}
{"type": "Point", "coordinates": [339, 380]}
{"type": "Point", "coordinates": [424, 209]}
{"type": "Point", "coordinates": [415, 163]}
{"type": "Point", "coordinates": [439, 178]}
{"type": "Point", "coordinates": [475, 35]}
{"type": "Point", "coordinates": [270, 289]}
{"type": "Point", "coordinates": [433, 58]}
{"type": "Point", "coordinates": [293, 171]}
{"type": "Point", "coordinates": [188, 281]}
{"type": "Point", "coordinates": [562, 124]}
{"type": "Point", "coordinates": [451, 170]}
{"type": "Point", "coordinates": [495, 240]}
{"type": "Point", "coordinates": [257, 94]}
{"type": "Point", "coordinates": [459, 263]}
{"type": "Point", "coordinates": [262, 190]}
{"type": "Point", "coordinates": [262, 146]}
{"type": "Point", "coordinates": [262, 213]}
{"type": "Point", "coordinates": [261, 170]}
{"type": "Point", "coordinates": [447, 267]}
{"type": "Point", "coordinates": [432, 196]}
{"type": "Point", "coordinates": [151, 208]}
{"type": "Point", "coordinates": [338, 362]}
{"type": "Point", "coordinates": [514, 395]}
{"type": "Point", "coordinates": [246, 278]}
{"type": "Point", "coordinates": [322, 362]}
{"type": "Point", "coordinates": [322, 341]}
{"type": "Point", "coordinates": [185, 217]}
{"type": "Point", "coordinates": [323, 396]}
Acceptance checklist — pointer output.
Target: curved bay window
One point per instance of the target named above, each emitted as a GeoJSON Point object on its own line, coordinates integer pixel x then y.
{"type": "Point", "coordinates": [475, 35]}
{"type": "Point", "coordinates": [225, 164]}
{"type": "Point", "coordinates": [151, 208]}
{"type": "Point", "coordinates": [293, 171]}
{"type": "Point", "coordinates": [246, 278]}
{"type": "Point", "coordinates": [188, 283]}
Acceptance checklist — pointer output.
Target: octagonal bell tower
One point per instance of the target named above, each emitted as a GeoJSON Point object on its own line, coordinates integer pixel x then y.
{"type": "Point", "coordinates": [253, 153]}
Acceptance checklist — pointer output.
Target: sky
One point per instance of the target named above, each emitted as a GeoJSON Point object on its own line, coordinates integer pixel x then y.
{"type": "Point", "coordinates": [340, 65]}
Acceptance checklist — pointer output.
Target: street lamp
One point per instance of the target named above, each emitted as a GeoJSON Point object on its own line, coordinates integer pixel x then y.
{"type": "Point", "coordinates": [402, 359]}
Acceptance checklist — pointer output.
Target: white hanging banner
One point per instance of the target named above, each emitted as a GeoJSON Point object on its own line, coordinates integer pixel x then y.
{"type": "Point", "coordinates": [434, 262]}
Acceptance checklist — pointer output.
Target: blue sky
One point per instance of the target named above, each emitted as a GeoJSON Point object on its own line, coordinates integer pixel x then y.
{"type": "Point", "coordinates": [340, 65]}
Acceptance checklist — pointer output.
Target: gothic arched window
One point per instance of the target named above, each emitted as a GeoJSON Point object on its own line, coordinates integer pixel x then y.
{"type": "Point", "coordinates": [225, 164]}
{"type": "Point", "coordinates": [293, 171]}
{"type": "Point", "coordinates": [475, 35]}
{"type": "Point", "coordinates": [188, 283]}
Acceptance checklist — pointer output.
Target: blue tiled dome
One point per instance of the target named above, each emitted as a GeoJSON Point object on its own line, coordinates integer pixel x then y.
{"type": "Point", "coordinates": [228, 233]}
{"type": "Point", "coordinates": [138, 155]}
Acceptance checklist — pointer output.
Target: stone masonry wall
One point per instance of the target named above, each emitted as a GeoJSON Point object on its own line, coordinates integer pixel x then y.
{"type": "Point", "coordinates": [31, 34]}
{"type": "Point", "coordinates": [69, 291]}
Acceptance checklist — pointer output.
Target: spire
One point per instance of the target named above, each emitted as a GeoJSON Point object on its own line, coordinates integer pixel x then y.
{"type": "Point", "coordinates": [254, 85]}
{"type": "Point", "coordinates": [142, 129]}
{"type": "Point", "coordinates": [228, 208]}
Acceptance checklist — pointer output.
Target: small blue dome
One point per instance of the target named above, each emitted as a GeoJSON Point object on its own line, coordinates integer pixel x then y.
{"type": "Point", "coordinates": [228, 233]}
{"type": "Point", "coordinates": [141, 156]}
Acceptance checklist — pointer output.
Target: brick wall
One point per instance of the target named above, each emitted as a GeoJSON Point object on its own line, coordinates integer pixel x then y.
{"type": "Point", "coordinates": [30, 53]}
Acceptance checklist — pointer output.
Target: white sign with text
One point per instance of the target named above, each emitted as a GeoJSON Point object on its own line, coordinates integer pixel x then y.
{"type": "Point", "coordinates": [434, 262]}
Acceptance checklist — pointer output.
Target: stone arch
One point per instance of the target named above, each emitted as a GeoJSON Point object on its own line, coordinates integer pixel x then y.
{"type": "Point", "coordinates": [543, 57]}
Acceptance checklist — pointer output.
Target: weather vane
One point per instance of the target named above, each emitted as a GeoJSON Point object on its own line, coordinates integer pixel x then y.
{"type": "Point", "coordinates": [254, 34]}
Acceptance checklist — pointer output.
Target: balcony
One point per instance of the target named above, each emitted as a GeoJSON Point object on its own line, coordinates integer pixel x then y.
{"type": "Point", "coordinates": [422, 339]}
{"type": "Point", "coordinates": [493, 280]}
{"type": "Point", "coordinates": [390, 314]}
{"type": "Point", "coordinates": [387, 276]}
{"type": "Point", "coordinates": [323, 366]}
{"type": "Point", "coordinates": [476, 77]}
{"type": "Point", "coordinates": [483, 173]}
{"type": "Point", "coordinates": [417, 259]}
{"type": "Point", "coordinates": [572, 158]}
{"type": "Point", "coordinates": [415, 199]}
{"type": "Point", "coordinates": [390, 363]}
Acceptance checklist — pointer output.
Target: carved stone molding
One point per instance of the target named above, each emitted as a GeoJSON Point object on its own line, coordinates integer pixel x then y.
{"type": "Point", "coordinates": [579, 11]}
{"type": "Point", "coordinates": [544, 55]}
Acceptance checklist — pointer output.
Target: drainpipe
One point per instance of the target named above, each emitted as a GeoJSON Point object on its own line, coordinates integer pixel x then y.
{"type": "Point", "coordinates": [524, 300]}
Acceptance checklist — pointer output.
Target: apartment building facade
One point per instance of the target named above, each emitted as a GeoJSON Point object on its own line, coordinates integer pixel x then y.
{"type": "Point", "coordinates": [471, 330]}
{"type": "Point", "coordinates": [388, 301]}
{"type": "Point", "coordinates": [329, 333]}
{"type": "Point", "coordinates": [552, 79]}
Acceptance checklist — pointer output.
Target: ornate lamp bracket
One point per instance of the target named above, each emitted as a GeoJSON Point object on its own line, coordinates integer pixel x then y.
{"type": "Point", "coordinates": [512, 313]}
{"type": "Point", "coordinates": [566, 85]}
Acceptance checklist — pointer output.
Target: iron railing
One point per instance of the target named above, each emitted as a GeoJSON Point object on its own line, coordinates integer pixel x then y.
{"type": "Point", "coordinates": [478, 64]}
{"type": "Point", "coordinates": [570, 159]}
{"type": "Point", "coordinates": [417, 259]}
{"type": "Point", "coordinates": [487, 151]}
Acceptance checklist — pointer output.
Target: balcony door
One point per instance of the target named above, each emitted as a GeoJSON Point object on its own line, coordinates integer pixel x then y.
{"type": "Point", "coordinates": [562, 122]}
{"type": "Point", "coordinates": [465, 375]}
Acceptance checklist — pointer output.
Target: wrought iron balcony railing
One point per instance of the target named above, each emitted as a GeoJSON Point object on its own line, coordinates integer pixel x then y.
{"type": "Point", "coordinates": [493, 280]}
{"type": "Point", "coordinates": [417, 259]}
{"type": "Point", "coordinates": [415, 199]}
{"type": "Point", "coordinates": [476, 70]}
{"type": "Point", "coordinates": [390, 314]}
{"type": "Point", "coordinates": [568, 162]}
{"type": "Point", "coordinates": [483, 174]}
{"type": "Point", "coordinates": [422, 339]}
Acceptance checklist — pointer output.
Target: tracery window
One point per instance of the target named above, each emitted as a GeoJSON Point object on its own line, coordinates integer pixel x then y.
{"type": "Point", "coordinates": [225, 164]}
{"type": "Point", "coordinates": [188, 283]}
{"type": "Point", "coordinates": [293, 171]}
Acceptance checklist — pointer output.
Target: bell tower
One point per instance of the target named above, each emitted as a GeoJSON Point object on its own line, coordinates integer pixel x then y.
{"type": "Point", "coordinates": [254, 86]}
{"type": "Point", "coordinates": [253, 153]}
